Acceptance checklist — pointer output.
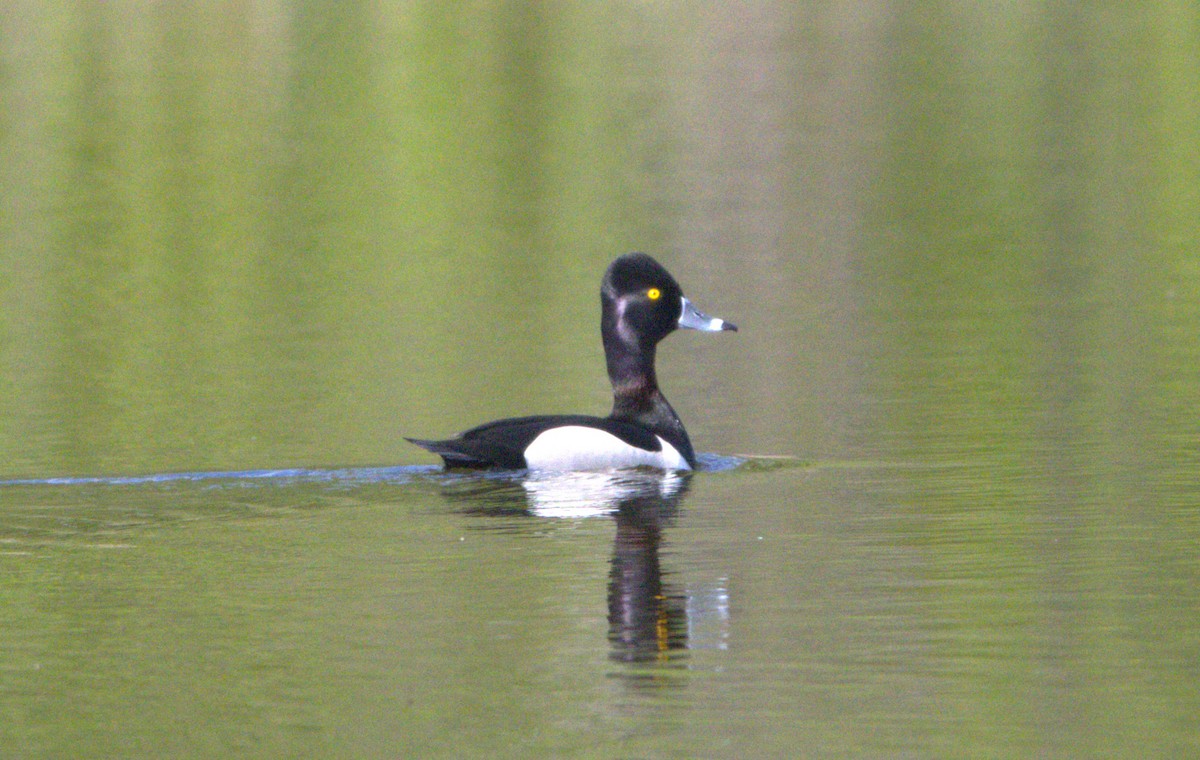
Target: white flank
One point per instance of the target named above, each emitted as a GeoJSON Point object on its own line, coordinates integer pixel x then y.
{"type": "Point", "coordinates": [576, 447]}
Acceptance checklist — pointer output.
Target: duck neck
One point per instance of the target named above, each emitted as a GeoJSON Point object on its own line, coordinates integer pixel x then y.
{"type": "Point", "coordinates": [635, 389]}
{"type": "Point", "coordinates": [630, 364]}
{"type": "Point", "coordinates": [636, 395]}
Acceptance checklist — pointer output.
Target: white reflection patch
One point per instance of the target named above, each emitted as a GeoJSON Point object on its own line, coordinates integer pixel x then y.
{"type": "Point", "coordinates": [595, 494]}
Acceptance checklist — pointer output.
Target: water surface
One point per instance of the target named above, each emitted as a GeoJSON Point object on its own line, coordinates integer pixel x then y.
{"type": "Point", "coordinates": [949, 501]}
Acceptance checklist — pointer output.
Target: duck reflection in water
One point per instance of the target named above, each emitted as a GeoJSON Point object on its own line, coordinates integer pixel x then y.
{"type": "Point", "coordinates": [647, 619]}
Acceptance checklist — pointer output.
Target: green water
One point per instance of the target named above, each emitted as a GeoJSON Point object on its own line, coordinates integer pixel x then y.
{"type": "Point", "coordinates": [265, 242]}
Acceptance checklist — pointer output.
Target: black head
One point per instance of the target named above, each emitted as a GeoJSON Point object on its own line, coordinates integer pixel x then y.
{"type": "Point", "coordinates": [643, 303]}
{"type": "Point", "coordinates": [641, 300]}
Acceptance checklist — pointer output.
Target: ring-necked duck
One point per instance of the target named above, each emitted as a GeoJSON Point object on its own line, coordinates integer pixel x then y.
{"type": "Point", "coordinates": [641, 305]}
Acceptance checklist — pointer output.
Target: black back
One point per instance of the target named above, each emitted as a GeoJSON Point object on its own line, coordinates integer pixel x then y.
{"type": "Point", "coordinates": [502, 443]}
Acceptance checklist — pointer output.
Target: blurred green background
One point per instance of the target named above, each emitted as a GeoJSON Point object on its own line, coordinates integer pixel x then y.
{"type": "Point", "coordinates": [257, 234]}
{"type": "Point", "coordinates": [961, 242]}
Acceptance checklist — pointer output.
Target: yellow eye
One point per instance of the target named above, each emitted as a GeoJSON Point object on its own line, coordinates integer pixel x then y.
{"type": "Point", "coordinates": [653, 294]}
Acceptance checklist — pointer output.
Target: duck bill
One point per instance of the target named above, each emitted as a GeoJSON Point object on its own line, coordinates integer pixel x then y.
{"type": "Point", "coordinates": [692, 318]}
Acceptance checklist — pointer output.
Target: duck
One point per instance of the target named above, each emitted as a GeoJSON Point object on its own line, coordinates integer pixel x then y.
{"type": "Point", "coordinates": [641, 303]}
